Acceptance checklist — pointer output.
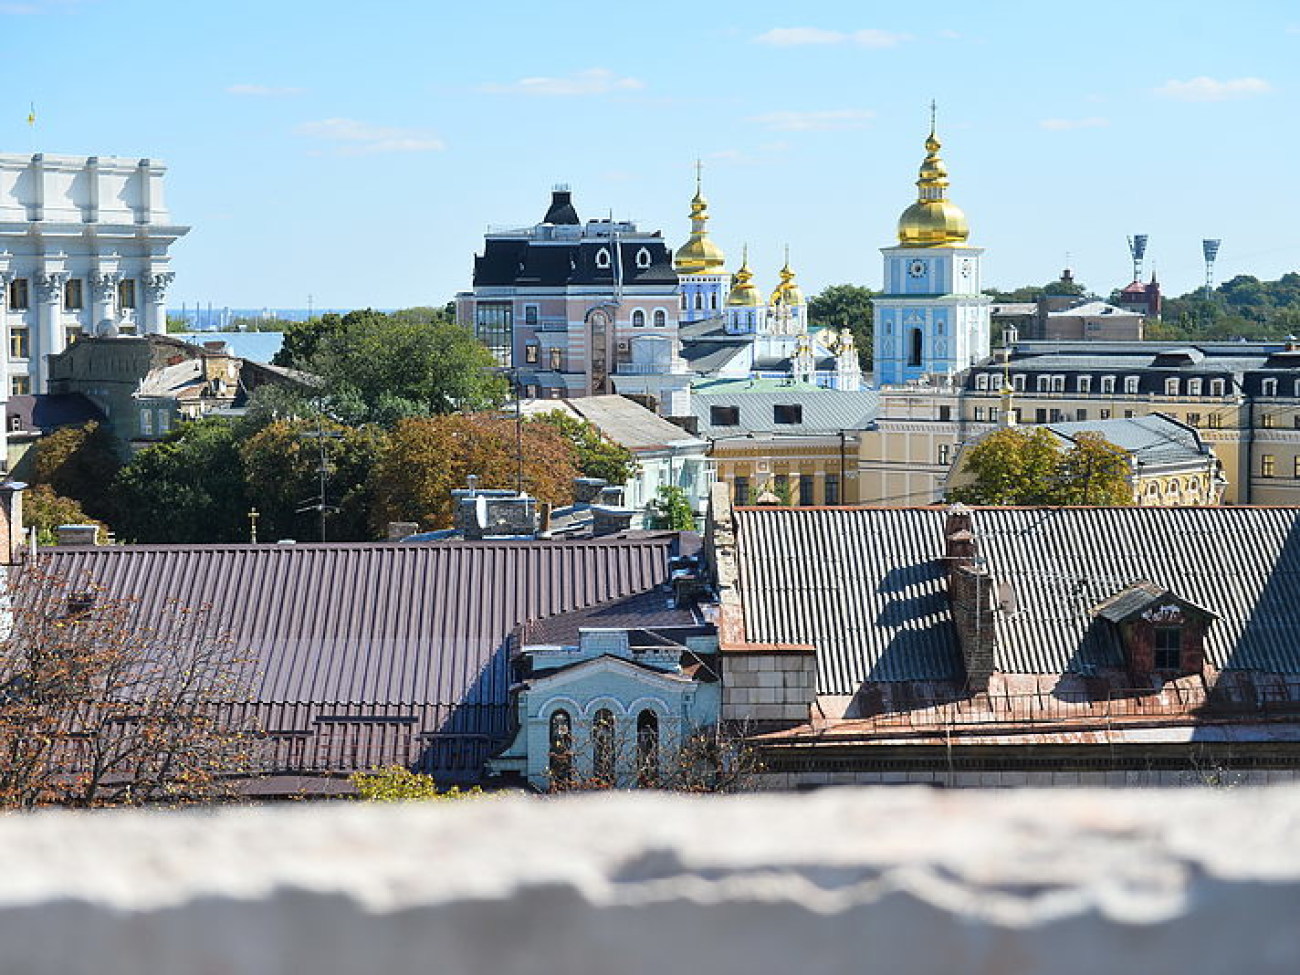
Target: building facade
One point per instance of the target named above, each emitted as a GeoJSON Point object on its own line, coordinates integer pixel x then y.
{"type": "Point", "coordinates": [83, 251]}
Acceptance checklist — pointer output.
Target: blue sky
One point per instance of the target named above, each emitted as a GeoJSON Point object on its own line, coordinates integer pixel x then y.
{"type": "Point", "coordinates": [357, 153]}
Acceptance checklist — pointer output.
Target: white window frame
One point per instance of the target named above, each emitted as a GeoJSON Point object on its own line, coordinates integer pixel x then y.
{"type": "Point", "coordinates": [1084, 384]}
{"type": "Point", "coordinates": [1131, 384]}
{"type": "Point", "coordinates": [1108, 384]}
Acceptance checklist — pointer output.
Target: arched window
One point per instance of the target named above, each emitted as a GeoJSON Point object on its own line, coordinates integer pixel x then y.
{"type": "Point", "coordinates": [647, 749]}
{"type": "Point", "coordinates": [560, 765]}
{"type": "Point", "coordinates": [914, 355]}
{"type": "Point", "coordinates": [699, 301]}
{"type": "Point", "coordinates": [643, 258]}
{"type": "Point", "coordinates": [603, 752]}
{"type": "Point", "coordinates": [661, 318]}
{"type": "Point", "coordinates": [638, 319]}
{"type": "Point", "coordinates": [713, 300]}
{"type": "Point", "coordinates": [602, 258]}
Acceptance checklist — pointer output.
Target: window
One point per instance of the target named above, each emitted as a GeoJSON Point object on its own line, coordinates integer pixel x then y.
{"type": "Point", "coordinates": [787, 413]}
{"type": "Point", "coordinates": [1171, 387]}
{"type": "Point", "coordinates": [19, 296]}
{"type": "Point", "coordinates": [557, 359]}
{"type": "Point", "coordinates": [1058, 384]}
{"type": "Point", "coordinates": [831, 488]}
{"type": "Point", "coordinates": [602, 258]}
{"type": "Point", "coordinates": [916, 348]}
{"type": "Point", "coordinates": [1266, 421]}
{"type": "Point", "coordinates": [1105, 414]}
{"type": "Point", "coordinates": [530, 390]}
{"type": "Point", "coordinates": [1216, 387]}
{"type": "Point", "coordinates": [560, 761]}
{"type": "Point", "coordinates": [530, 316]}
{"type": "Point", "coordinates": [70, 334]}
{"type": "Point", "coordinates": [1018, 382]}
{"type": "Point", "coordinates": [1040, 416]}
{"type": "Point", "coordinates": [1168, 647]}
{"type": "Point", "coordinates": [713, 301]}
{"type": "Point", "coordinates": [1194, 419]}
{"type": "Point", "coordinates": [20, 385]}
{"type": "Point", "coordinates": [806, 494]}
{"type": "Point", "coordinates": [1269, 387]}
{"type": "Point", "coordinates": [1128, 414]}
{"type": "Point", "coordinates": [1044, 384]}
{"type": "Point", "coordinates": [146, 422]}
{"type": "Point", "coordinates": [19, 343]}
{"type": "Point", "coordinates": [979, 414]}
{"type": "Point", "coordinates": [1214, 421]}
{"type": "Point", "coordinates": [1108, 384]}
{"type": "Point", "coordinates": [638, 319]}
{"type": "Point", "coordinates": [1267, 465]}
{"type": "Point", "coordinates": [661, 318]}
{"type": "Point", "coordinates": [740, 489]}
{"type": "Point", "coordinates": [724, 416]}
{"type": "Point", "coordinates": [126, 293]}
{"type": "Point", "coordinates": [781, 486]}
{"type": "Point", "coordinates": [1081, 415]}
{"type": "Point", "coordinates": [699, 301]}
{"type": "Point", "coordinates": [1057, 416]}
{"type": "Point", "coordinates": [1193, 387]}
{"type": "Point", "coordinates": [532, 354]}
{"type": "Point", "coordinates": [647, 749]}
{"type": "Point", "coordinates": [1084, 384]}
{"type": "Point", "coordinates": [643, 258]}
{"type": "Point", "coordinates": [685, 306]}
{"type": "Point", "coordinates": [493, 323]}
{"type": "Point", "coordinates": [945, 413]}
{"type": "Point", "coordinates": [1130, 384]}
{"type": "Point", "coordinates": [72, 299]}
{"type": "Point", "coordinates": [603, 752]}
{"type": "Point", "coordinates": [164, 421]}
{"type": "Point", "coordinates": [943, 455]}
{"type": "Point", "coordinates": [982, 381]}
{"type": "Point", "coordinates": [1295, 466]}
{"type": "Point", "coordinates": [993, 414]}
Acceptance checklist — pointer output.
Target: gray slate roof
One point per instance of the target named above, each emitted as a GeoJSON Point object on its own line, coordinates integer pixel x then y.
{"type": "Point", "coordinates": [629, 423]}
{"type": "Point", "coordinates": [1153, 440]}
{"type": "Point", "coordinates": [866, 587]}
{"type": "Point", "coordinates": [825, 411]}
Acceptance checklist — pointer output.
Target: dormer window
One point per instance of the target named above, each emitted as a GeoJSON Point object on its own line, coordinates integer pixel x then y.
{"type": "Point", "coordinates": [1270, 387]}
{"type": "Point", "coordinates": [602, 258]}
{"type": "Point", "coordinates": [1160, 634]}
{"type": "Point", "coordinates": [643, 258]}
{"type": "Point", "coordinates": [982, 381]}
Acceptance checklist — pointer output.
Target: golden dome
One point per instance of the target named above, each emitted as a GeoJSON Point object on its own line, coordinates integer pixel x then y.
{"type": "Point", "coordinates": [933, 219]}
{"type": "Point", "coordinates": [743, 292]}
{"type": "Point", "coordinates": [788, 291]}
{"type": "Point", "coordinates": [699, 255]}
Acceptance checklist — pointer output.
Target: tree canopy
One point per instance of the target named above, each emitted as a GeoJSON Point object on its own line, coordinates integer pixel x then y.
{"type": "Point", "coordinates": [845, 306]}
{"type": "Point", "coordinates": [79, 463]}
{"type": "Point", "coordinates": [597, 456]}
{"type": "Point", "coordinates": [1031, 466]}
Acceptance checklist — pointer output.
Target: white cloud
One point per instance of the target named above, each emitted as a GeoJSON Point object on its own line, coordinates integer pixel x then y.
{"type": "Point", "coordinates": [353, 138]}
{"type": "Point", "coordinates": [820, 121]}
{"type": "Point", "coordinates": [803, 36]}
{"type": "Point", "coordinates": [1067, 124]}
{"type": "Point", "coordinates": [263, 91]}
{"type": "Point", "coordinates": [593, 81]}
{"type": "Point", "coordinates": [1205, 89]}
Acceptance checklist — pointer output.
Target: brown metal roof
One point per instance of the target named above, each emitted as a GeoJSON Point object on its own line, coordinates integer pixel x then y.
{"type": "Point", "coordinates": [353, 635]}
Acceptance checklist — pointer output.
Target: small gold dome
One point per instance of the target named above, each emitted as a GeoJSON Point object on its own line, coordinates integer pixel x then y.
{"type": "Point", "coordinates": [933, 219]}
{"type": "Point", "coordinates": [743, 292]}
{"type": "Point", "coordinates": [788, 291]}
{"type": "Point", "coordinates": [699, 255]}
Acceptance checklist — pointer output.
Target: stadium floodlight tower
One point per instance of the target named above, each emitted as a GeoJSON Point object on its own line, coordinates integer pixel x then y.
{"type": "Point", "coordinates": [1210, 248]}
{"type": "Point", "coordinates": [1137, 248]}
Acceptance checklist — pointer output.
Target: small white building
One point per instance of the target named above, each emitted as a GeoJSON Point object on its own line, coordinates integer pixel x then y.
{"type": "Point", "coordinates": [83, 250]}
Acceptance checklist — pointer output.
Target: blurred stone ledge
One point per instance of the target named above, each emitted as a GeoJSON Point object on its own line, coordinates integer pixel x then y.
{"type": "Point", "coordinates": [886, 880]}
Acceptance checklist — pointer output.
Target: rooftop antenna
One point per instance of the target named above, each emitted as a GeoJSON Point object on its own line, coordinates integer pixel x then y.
{"type": "Point", "coordinates": [1210, 249]}
{"type": "Point", "coordinates": [320, 504]}
{"type": "Point", "coordinates": [1137, 248]}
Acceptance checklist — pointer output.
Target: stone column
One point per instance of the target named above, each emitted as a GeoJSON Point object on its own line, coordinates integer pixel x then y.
{"type": "Point", "coordinates": [155, 303]}
{"type": "Point", "coordinates": [103, 298]}
{"type": "Point", "coordinates": [48, 339]}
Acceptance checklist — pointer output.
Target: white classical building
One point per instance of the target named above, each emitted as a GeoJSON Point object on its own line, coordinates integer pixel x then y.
{"type": "Point", "coordinates": [83, 250]}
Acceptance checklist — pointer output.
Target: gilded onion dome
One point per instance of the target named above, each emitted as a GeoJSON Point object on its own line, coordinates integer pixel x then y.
{"type": "Point", "coordinates": [743, 292]}
{"type": "Point", "coordinates": [933, 219]}
{"type": "Point", "coordinates": [788, 291]}
{"type": "Point", "coordinates": [699, 255]}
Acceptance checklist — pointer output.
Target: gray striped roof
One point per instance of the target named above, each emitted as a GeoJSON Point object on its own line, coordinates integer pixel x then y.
{"type": "Point", "coordinates": [1154, 440]}
{"type": "Point", "coordinates": [865, 585]}
{"type": "Point", "coordinates": [825, 411]}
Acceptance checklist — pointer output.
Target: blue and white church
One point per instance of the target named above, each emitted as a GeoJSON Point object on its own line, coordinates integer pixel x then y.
{"type": "Point", "coordinates": [931, 321]}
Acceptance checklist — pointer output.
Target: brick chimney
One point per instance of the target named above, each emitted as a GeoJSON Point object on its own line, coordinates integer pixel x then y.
{"type": "Point", "coordinates": [972, 596]}
{"type": "Point", "coordinates": [11, 521]}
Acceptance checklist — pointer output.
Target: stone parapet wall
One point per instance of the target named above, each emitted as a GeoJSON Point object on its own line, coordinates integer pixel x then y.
{"type": "Point", "coordinates": [1197, 882]}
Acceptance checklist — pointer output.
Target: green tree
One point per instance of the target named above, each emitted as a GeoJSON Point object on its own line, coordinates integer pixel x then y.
{"type": "Point", "coordinates": [1030, 466]}
{"type": "Point", "coordinates": [597, 456]}
{"type": "Point", "coordinates": [427, 457]}
{"type": "Point", "coordinates": [303, 339]}
{"type": "Point", "coordinates": [382, 368]}
{"type": "Point", "coordinates": [187, 488]}
{"type": "Point", "coordinates": [672, 509]}
{"type": "Point", "coordinates": [281, 464]}
{"type": "Point", "coordinates": [396, 783]}
{"type": "Point", "coordinates": [846, 306]}
{"type": "Point", "coordinates": [79, 463]}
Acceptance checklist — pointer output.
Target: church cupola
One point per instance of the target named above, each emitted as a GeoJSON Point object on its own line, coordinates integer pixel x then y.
{"type": "Point", "coordinates": [699, 255]}
{"type": "Point", "coordinates": [933, 220]}
{"type": "Point", "coordinates": [745, 312]}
